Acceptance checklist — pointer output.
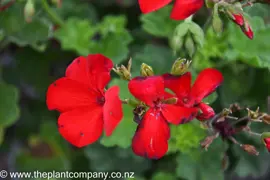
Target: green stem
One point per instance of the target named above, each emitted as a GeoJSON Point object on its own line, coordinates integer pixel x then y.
{"type": "Point", "coordinates": [54, 17]}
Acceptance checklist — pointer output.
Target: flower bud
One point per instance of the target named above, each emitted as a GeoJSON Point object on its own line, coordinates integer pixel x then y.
{"type": "Point", "coordinates": [238, 19]}
{"type": "Point", "coordinates": [235, 13]}
{"type": "Point", "coordinates": [246, 28]}
{"type": "Point", "coordinates": [29, 11]}
{"type": "Point", "coordinates": [180, 66]}
{"type": "Point", "coordinates": [250, 149]}
{"type": "Point", "coordinates": [217, 23]}
{"type": "Point", "coordinates": [266, 119]}
{"type": "Point", "coordinates": [146, 70]}
{"type": "Point", "coordinates": [124, 72]}
{"type": "Point", "coordinates": [266, 140]}
{"type": "Point", "coordinates": [190, 46]}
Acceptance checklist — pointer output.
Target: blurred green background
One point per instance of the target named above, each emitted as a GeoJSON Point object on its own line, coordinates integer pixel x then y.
{"type": "Point", "coordinates": [35, 53]}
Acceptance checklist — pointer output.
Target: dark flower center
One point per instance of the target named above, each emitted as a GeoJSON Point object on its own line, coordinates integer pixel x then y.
{"type": "Point", "coordinates": [100, 100]}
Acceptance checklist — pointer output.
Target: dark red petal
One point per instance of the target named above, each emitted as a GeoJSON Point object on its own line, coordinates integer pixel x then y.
{"type": "Point", "coordinates": [147, 6]}
{"type": "Point", "coordinates": [112, 110]}
{"type": "Point", "coordinates": [93, 70]}
{"type": "Point", "coordinates": [82, 126]}
{"type": "Point", "coordinates": [147, 89]}
{"type": "Point", "coordinates": [152, 135]}
{"type": "Point", "coordinates": [207, 112]}
{"type": "Point", "coordinates": [177, 114]}
{"type": "Point", "coordinates": [182, 9]}
{"type": "Point", "coordinates": [66, 94]}
{"type": "Point", "coordinates": [206, 83]}
{"type": "Point", "coordinates": [180, 85]}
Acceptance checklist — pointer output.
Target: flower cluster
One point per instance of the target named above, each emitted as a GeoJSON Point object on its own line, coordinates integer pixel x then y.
{"type": "Point", "coordinates": [86, 108]}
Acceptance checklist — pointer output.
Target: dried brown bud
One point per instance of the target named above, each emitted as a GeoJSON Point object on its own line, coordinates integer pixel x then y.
{"type": "Point", "coordinates": [250, 149]}
{"type": "Point", "coordinates": [208, 141]}
{"type": "Point", "coordinates": [235, 107]}
{"type": "Point", "coordinates": [266, 119]}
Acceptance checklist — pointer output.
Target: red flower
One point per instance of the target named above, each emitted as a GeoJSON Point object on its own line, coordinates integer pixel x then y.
{"type": "Point", "coordinates": [206, 83]}
{"type": "Point", "coordinates": [84, 105]}
{"type": "Point", "coordinates": [181, 9]}
{"type": "Point", "coordinates": [152, 135]}
{"type": "Point", "coordinates": [267, 143]}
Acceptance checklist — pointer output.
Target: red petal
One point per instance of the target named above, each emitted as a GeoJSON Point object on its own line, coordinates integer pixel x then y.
{"type": "Point", "coordinates": [182, 9]}
{"type": "Point", "coordinates": [82, 126]}
{"type": "Point", "coordinates": [147, 89]}
{"type": "Point", "coordinates": [207, 112]}
{"type": "Point", "coordinates": [206, 83]}
{"type": "Point", "coordinates": [93, 70]}
{"type": "Point", "coordinates": [152, 5]}
{"type": "Point", "coordinates": [177, 114]}
{"type": "Point", "coordinates": [180, 85]}
{"type": "Point", "coordinates": [66, 94]}
{"type": "Point", "coordinates": [151, 137]}
{"type": "Point", "coordinates": [112, 110]}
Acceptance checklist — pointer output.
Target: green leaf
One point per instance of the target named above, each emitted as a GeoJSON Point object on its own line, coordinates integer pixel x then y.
{"type": "Point", "coordinates": [258, 48]}
{"type": "Point", "coordinates": [114, 46]}
{"type": "Point", "coordinates": [76, 35]}
{"type": "Point", "coordinates": [58, 158]}
{"type": "Point", "coordinates": [163, 176]}
{"type": "Point", "coordinates": [202, 165]}
{"type": "Point", "coordinates": [20, 32]}
{"type": "Point", "coordinates": [213, 47]}
{"type": "Point", "coordinates": [114, 39]}
{"type": "Point", "coordinates": [159, 57]}
{"type": "Point", "coordinates": [159, 23]}
{"type": "Point", "coordinates": [186, 137]}
{"type": "Point", "coordinates": [107, 159]}
{"type": "Point", "coordinates": [9, 111]}
{"type": "Point", "coordinates": [211, 98]}
{"type": "Point", "coordinates": [122, 135]}
{"type": "Point", "coordinates": [82, 10]}
{"type": "Point", "coordinates": [248, 165]}
{"type": "Point", "coordinates": [1, 135]}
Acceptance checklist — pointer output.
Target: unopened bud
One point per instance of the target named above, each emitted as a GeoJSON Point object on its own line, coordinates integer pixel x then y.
{"type": "Point", "coordinates": [250, 149]}
{"type": "Point", "coordinates": [246, 28]}
{"type": "Point", "coordinates": [265, 138]}
{"type": "Point", "coordinates": [266, 119]}
{"type": "Point", "coordinates": [217, 23]}
{"type": "Point", "coordinates": [180, 66]}
{"type": "Point", "coordinates": [29, 11]}
{"type": "Point", "coordinates": [123, 72]}
{"type": "Point", "coordinates": [146, 70]}
{"type": "Point", "coordinates": [190, 46]}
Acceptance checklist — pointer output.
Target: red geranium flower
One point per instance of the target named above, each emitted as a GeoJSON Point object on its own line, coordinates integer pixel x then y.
{"type": "Point", "coordinates": [152, 135]}
{"type": "Point", "coordinates": [206, 83]}
{"type": "Point", "coordinates": [267, 143]}
{"type": "Point", "coordinates": [84, 105]}
{"type": "Point", "coordinates": [181, 9]}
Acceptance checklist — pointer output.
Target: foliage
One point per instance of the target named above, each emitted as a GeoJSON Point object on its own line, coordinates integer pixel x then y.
{"type": "Point", "coordinates": [34, 54]}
